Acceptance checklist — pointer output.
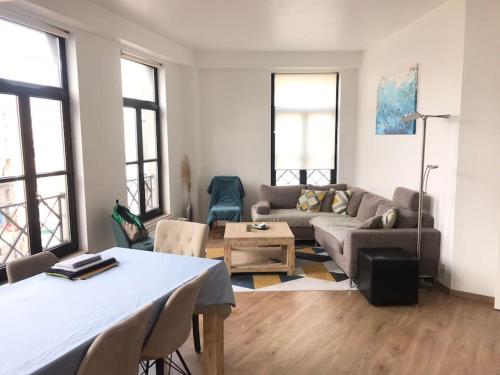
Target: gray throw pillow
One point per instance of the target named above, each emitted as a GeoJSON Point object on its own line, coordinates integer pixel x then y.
{"type": "Point", "coordinates": [374, 222]}
{"type": "Point", "coordinates": [326, 203]}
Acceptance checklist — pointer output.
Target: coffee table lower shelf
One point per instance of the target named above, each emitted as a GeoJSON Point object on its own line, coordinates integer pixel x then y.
{"type": "Point", "coordinates": [260, 268]}
{"type": "Point", "coordinates": [248, 259]}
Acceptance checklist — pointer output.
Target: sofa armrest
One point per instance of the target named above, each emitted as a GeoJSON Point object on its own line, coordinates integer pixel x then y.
{"type": "Point", "coordinates": [262, 207]}
{"type": "Point", "coordinates": [405, 238]}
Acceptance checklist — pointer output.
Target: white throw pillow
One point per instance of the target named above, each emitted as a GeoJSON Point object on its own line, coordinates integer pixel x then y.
{"type": "Point", "coordinates": [389, 218]}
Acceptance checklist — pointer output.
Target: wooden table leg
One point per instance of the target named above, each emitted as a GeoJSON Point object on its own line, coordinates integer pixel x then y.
{"type": "Point", "coordinates": [227, 256]}
{"type": "Point", "coordinates": [213, 344]}
{"type": "Point", "coordinates": [290, 251]}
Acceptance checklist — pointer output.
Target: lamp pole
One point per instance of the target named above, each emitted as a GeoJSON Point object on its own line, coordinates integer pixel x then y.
{"type": "Point", "coordinates": [421, 191]}
{"type": "Point", "coordinates": [413, 117]}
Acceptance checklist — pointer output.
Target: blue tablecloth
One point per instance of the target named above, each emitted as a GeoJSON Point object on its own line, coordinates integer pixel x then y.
{"type": "Point", "coordinates": [48, 323]}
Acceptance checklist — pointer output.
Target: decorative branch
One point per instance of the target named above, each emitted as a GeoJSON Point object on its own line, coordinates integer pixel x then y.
{"type": "Point", "coordinates": [186, 174]}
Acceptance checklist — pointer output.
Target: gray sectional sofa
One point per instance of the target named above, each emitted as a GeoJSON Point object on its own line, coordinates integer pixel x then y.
{"type": "Point", "coordinates": [340, 235]}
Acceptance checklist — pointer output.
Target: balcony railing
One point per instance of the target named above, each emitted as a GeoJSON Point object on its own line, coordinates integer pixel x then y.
{"type": "Point", "coordinates": [133, 193]}
{"type": "Point", "coordinates": [14, 239]}
{"type": "Point", "coordinates": [292, 176]}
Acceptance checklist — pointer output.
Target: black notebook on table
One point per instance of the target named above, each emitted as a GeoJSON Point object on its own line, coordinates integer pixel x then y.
{"type": "Point", "coordinates": [81, 271]}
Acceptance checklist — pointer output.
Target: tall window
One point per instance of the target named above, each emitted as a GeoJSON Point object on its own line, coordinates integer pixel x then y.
{"type": "Point", "coordinates": [37, 205]}
{"type": "Point", "coordinates": [304, 128]}
{"type": "Point", "coordinates": [142, 138]}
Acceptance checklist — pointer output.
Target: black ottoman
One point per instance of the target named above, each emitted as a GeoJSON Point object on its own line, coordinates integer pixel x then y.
{"type": "Point", "coordinates": [388, 276]}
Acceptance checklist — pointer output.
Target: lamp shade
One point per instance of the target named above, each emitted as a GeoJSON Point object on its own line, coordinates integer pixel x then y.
{"type": "Point", "coordinates": [411, 117]}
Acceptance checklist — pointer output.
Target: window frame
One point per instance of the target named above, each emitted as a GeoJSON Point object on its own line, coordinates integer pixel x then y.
{"type": "Point", "coordinates": [24, 91]}
{"type": "Point", "coordinates": [138, 105]}
{"type": "Point", "coordinates": [303, 172]}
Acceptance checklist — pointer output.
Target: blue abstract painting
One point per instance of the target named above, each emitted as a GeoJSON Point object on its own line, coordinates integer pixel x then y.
{"type": "Point", "coordinates": [396, 97]}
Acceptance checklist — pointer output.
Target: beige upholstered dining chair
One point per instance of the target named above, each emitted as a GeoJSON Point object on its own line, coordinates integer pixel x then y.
{"type": "Point", "coordinates": [32, 265]}
{"type": "Point", "coordinates": [117, 350]}
{"type": "Point", "coordinates": [173, 327]}
{"type": "Point", "coordinates": [181, 238]}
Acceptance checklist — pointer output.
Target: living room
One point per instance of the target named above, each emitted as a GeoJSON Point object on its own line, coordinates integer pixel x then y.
{"type": "Point", "coordinates": [219, 68]}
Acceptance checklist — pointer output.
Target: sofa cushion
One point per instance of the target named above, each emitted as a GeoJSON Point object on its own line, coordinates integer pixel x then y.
{"type": "Point", "coordinates": [427, 220]}
{"type": "Point", "coordinates": [406, 218]}
{"type": "Point", "coordinates": [329, 243]}
{"type": "Point", "coordinates": [327, 187]}
{"type": "Point", "coordinates": [340, 202]}
{"type": "Point", "coordinates": [374, 222]}
{"type": "Point", "coordinates": [336, 225]}
{"type": "Point", "coordinates": [310, 200]}
{"type": "Point", "coordinates": [384, 206]}
{"type": "Point", "coordinates": [262, 207]}
{"type": "Point", "coordinates": [292, 216]}
{"type": "Point", "coordinates": [335, 220]}
{"type": "Point", "coordinates": [389, 218]}
{"type": "Point", "coordinates": [406, 198]}
{"type": "Point", "coordinates": [326, 203]}
{"type": "Point", "coordinates": [355, 201]}
{"type": "Point", "coordinates": [368, 207]}
{"type": "Point", "coordinates": [281, 196]}
{"type": "Point", "coordinates": [409, 219]}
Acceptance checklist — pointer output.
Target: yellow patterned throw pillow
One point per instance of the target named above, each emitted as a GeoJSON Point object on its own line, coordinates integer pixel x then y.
{"type": "Point", "coordinates": [310, 200]}
{"type": "Point", "coordinates": [341, 201]}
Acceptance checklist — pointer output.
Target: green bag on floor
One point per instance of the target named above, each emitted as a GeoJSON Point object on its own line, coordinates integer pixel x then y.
{"type": "Point", "coordinates": [131, 224]}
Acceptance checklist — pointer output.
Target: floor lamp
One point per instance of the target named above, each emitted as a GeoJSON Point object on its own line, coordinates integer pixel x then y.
{"type": "Point", "coordinates": [424, 174]}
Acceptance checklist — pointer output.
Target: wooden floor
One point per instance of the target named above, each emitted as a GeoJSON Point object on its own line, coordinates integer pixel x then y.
{"type": "Point", "coordinates": [336, 332]}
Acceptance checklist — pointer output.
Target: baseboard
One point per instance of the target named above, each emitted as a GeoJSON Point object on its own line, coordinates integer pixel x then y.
{"type": "Point", "coordinates": [466, 295]}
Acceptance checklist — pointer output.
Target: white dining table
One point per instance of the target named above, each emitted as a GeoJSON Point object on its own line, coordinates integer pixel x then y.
{"type": "Point", "coordinates": [48, 323]}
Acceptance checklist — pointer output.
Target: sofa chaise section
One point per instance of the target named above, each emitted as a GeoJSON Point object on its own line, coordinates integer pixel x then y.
{"type": "Point", "coordinates": [343, 242]}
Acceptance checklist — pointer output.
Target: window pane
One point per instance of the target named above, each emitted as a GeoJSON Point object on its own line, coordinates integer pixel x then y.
{"type": "Point", "coordinates": [14, 240]}
{"type": "Point", "coordinates": [29, 55]}
{"type": "Point", "coordinates": [130, 121]}
{"type": "Point", "coordinates": [305, 106]}
{"type": "Point", "coordinates": [151, 185]}
{"type": "Point", "coordinates": [319, 150]}
{"type": "Point", "coordinates": [288, 140]}
{"type": "Point", "coordinates": [133, 188]}
{"type": "Point", "coordinates": [149, 134]}
{"type": "Point", "coordinates": [11, 162]}
{"type": "Point", "coordinates": [137, 81]}
{"type": "Point", "coordinates": [286, 177]}
{"type": "Point", "coordinates": [48, 136]}
{"type": "Point", "coordinates": [53, 211]}
{"type": "Point", "coordinates": [318, 176]}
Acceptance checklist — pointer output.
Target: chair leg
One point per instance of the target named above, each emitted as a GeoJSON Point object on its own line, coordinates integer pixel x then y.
{"type": "Point", "coordinates": [196, 333]}
{"type": "Point", "coordinates": [183, 362]}
{"type": "Point", "coordinates": [160, 368]}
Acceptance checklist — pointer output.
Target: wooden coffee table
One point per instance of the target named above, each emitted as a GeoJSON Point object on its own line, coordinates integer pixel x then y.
{"type": "Point", "coordinates": [278, 236]}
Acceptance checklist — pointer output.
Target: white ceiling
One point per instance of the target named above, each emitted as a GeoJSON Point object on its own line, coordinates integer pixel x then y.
{"type": "Point", "coordinates": [272, 25]}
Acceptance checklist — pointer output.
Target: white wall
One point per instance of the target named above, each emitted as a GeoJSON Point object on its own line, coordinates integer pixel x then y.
{"type": "Point", "coordinates": [235, 111]}
{"type": "Point", "coordinates": [96, 118]}
{"type": "Point", "coordinates": [435, 43]}
{"type": "Point", "coordinates": [178, 135]}
{"type": "Point", "coordinates": [477, 219]}
{"type": "Point", "coordinates": [235, 107]}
